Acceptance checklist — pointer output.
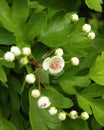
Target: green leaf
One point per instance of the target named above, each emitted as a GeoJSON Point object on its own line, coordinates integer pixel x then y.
{"type": "Point", "coordinates": [35, 25]}
{"type": "Point", "coordinates": [57, 99]}
{"type": "Point", "coordinates": [77, 124]}
{"type": "Point", "coordinates": [56, 33]}
{"type": "Point", "coordinates": [44, 76]}
{"type": "Point", "coordinates": [98, 110]}
{"type": "Point", "coordinates": [40, 118]}
{"type": "Point", "coordinates": [14, 84]}
{"type": "Point", "coordinates": [6, 38]}
{"type": "Point", "coordinates": [97, 70]}
{"type": "Point", "coordinates": [5, 16]}
{"type": "Point", "coordinates": [68, 82]}
{"type": "Point", "coordinates": [95, 4]}
{"type": "Point", "coordinates": [5, 124]}
{"type": "Point", "coordinates": [18, 120]}
{"type": "Point", "coordinates": [90, 100]}
{"type": "Point", "coordinates": [3, 77]}
{"type": "Point", "coordinates": [95, 125]}
{"type": "Point", "coordinates": [15, 100]}
{"type": "Point", "coordinates": [20, 11]}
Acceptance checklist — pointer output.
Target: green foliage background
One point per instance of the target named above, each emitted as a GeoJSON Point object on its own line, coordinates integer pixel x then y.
{"type": "Point", "coordinates": [45, 25]}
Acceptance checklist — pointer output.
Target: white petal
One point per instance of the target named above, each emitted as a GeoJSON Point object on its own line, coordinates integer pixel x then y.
{"type": "Point", "coordinates": [44, 102]}
{"type": "Point", "coordinates": [46, 63]}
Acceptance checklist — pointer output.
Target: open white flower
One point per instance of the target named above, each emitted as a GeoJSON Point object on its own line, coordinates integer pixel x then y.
{"type": "Point", "coordinates": [59, 52]}
{"type": "Point", "coordinates": [75, 61]}
{"type": "Point", "coordinates": [15, 50]}
{"type": "Point", "coordinates": [52, 110]}
{"type": "Point", "coordinates": [35, 93]}
{"type": "Point", "coordinates": [30, 78]}
{"type": "Point", "coordinates": [91, 35]}
{"type": "Point", "coordinates": [43, 102]}
{"type": "Point", "coordinates": [84, 115]}
{"type": "Point", "coordinates": [86, 28]}
{"type": "Point", "coordinates": [74, 17]}
{"type": "Point", "coordinates": [54, 64]}
{"type": "Point", "coordinates": [62, 116]}
{"type": "Point", "coordinates": [9, 56]}
{"type": "Point", "coordinates": [73, 114]}
{"type": "Point", "coordinates": [26, 51]}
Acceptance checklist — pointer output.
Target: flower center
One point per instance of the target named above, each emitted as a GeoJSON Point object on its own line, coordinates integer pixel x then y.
{"type": "Point", "coordinates": [55, 65]}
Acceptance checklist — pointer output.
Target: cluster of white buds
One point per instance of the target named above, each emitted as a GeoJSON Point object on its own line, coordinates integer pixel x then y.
{"type": "Point", "coordinates": [15, 51]}
{"type": "Point", "coordinates": [10, 55]}
{"type": "Point", "coordinates": [30, 78]}
{"type": "Point", "coordinates": [55, 64]}
{"type": "Point", "coordinates": [74, 115]}
{"type": "Point", "coordinates": [87, 29]}
{"type": "Point", "coordinates": [74, 17]}
{"type": "Point", "coordinates": [75, 61]}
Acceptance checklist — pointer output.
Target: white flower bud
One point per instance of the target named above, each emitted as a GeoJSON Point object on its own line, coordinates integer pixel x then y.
{"type": "Point", "coordinates": [75, 61]}
{"type": "Point", "coordinates": [46, 63]}
{"type": "Point", "coordinates": [62, 116]}
{"type": "Point", "coordinates": [26, 51]}
{"type": "Point", "coordinates": [73, 114]}
{"type": "Point", "coordinates": [43, 102]}
{"type": "Point", "coordinates": [74, 17]}
{"type": "Point", "coordinates": [56, 64]}
{"type": "Point", "coordinates": [24, 60]}
{"type": "Point", "coordinates": [52, 110]}
{"type": "Point", "coordinates": [91, 35]}
{"type": "Point", "coordinates": [84, 115]}
{"type": "Point", "coordinates": [15, 50]}
{"type": "Point", "coordinates": [35, 93]}
{"type": "Point", "coordinates": [59, 52]}
{"type": "Point", "coordinates": [86, 28]}
{"type": "Point", "coordinates": [30, 78]}
{"type": "Point", "coordinates": [9, 56]}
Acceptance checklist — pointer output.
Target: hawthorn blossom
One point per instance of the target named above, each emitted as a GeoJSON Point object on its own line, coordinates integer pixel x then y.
{"type": "Point", "coordinates": [84, 115]}
{"type": "Point", "coordinates": [74, 17]}
{"type": "Point", "coordinates": [43, 102]}
{"type": "Point", "coordinates": [30, 78]}
{"type": "Point", "coordinates": [73, 114]}
{"type": "Point", "coordinates": [62, 116]}
{"type": "Point", "coordinates": [52, 110]}
{"type": "Point", "coordinates": [35, 93]}
{"type": "Point", "coordinates": [75, 61]}
{"type": "Point", "coordinates": [15, 50]}
{"type": "Point", "coordinates": [54, 65]}
{"type": "Point", "coordinates": [26, 51]}
{"type": "Point", "coordinates": [91, 35]}
{"type": "Point", "coordinates": [59, 52]}
{"type": "Point", "coordinates": [9, 56]}
{"type": "Point", "coordinates": [24, 60]}
{"type": "Point", "coordinates": [86, 28]}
